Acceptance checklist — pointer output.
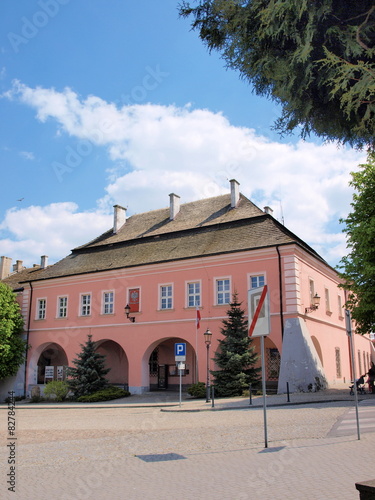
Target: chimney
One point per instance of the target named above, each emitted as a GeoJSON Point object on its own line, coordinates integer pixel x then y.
{"type": "Point", "coordinates": [268, 210]}
{"type": "Point", "coordinates": [174, 206]}
{"type": "Point", "coordinates": [119, 218]}
{"type": "Point", "coordinates": [43, 261]}
{"type": "Point", "coordinates": [234, 193]}
{"type": "Point", "coordinates": [5, 263]}
{"type": "Point", "coordinates": [17, 267]}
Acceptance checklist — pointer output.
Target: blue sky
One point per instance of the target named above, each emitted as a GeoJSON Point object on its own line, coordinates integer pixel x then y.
{"type": "Point", "coordinates": [106, 102]}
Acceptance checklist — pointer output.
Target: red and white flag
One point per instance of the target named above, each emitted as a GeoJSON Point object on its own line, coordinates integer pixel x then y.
{"type": "Point", "coordinates": [198, 318]}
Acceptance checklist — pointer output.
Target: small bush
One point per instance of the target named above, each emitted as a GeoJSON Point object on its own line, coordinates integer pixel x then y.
{"type": "Point", "coordinates": [104, 395]}
{"type": "Point", "coordinates": [197, 390]}
{"type": "Point", "coordinates": [57, 388]}
{"type": "Point", "coordinates": [36, 399]}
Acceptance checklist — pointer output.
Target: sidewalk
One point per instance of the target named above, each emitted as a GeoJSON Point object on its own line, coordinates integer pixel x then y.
{"type": "Point", "coordinates": [169, 401]}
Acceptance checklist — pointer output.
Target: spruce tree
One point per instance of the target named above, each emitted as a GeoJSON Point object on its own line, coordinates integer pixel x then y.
{"type": "Point", "coordinates": [88, 376]}
{"type": "Point", "coordinates": [236, 356]}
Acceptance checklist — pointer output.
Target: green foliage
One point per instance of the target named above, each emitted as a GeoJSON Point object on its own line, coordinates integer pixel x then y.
{"type": "Point", "coordinates": [12, 346]}
{"type": "Point", "coordinates": [316, 59]}
{"type": "Point", "coordinates": [57, 388]}
{"type": "Point", "coordinates": [88, 376]}
{"type": "Point", "coordinates": [197, 390]}
{"type": "Point", "coordinates": [357, 269]}
{"type": "Point", "coordinates": [236, 356]}
{"type": "Point", "coordinates": [104, 395]}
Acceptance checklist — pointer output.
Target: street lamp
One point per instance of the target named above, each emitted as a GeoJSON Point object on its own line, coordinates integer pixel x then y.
{"type": "Point", "coordinates": [315, 304]}
{"type": "Point", "coordinates": [207, 341]}
{"type": "Point", "coordinates": [127, 312]}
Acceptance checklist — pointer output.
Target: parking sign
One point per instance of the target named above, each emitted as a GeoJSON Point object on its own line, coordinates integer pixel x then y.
{"type": "Point", "coordinates": [180, 351]}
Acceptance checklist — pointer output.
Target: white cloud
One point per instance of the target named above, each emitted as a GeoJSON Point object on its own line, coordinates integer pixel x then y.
{"type": "Point", "coordinates": [51, 230]}
{"type": "Point", "coordinates": [194, 152]}
{"type": "Point", "coordinates": [27, 155]}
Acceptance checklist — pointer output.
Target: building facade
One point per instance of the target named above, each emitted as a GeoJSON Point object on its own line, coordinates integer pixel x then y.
{"type": "Point", "coordinates": [167, 265]}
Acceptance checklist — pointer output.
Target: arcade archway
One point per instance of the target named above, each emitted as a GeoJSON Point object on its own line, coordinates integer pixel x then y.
{"type": "Point", "coordinates": [116, 360]}
{"type": "Point", "coordinates": [159, 367]}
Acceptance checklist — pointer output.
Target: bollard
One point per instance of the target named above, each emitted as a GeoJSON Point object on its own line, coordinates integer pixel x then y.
{"type": "Point", "coordinates": [250, 402]}
{"type": "Point", "coordinates": [213, 396]}
{"type": "Point", "coordinates": [287, 391]}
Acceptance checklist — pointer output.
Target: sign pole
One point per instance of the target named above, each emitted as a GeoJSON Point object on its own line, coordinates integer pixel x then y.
{"type": "Point", "coordinates": [260, 326]}
{"type": "Point", "coordinates": [179, 369]}
{"type": "Point", "coordinates": [350, 335]}
{"type": "Point", "coordinates": [264, 391]}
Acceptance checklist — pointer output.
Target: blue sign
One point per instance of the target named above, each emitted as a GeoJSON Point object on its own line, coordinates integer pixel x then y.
{"type": "Point", "coordinates": [180, 349]}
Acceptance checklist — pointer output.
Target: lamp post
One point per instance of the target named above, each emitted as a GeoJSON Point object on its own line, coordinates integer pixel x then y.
{"type": "Point", "coordinates": [315, 304]}
{"type": "Point", "coordinates": [127, 312]}
{"type": "Point", "coordinates": [207, 341]}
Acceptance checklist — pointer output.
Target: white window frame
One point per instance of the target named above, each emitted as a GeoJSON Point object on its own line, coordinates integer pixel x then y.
{"type": "Point", "coordinates": [108, 306]}
{"type": "Point", "coordinates": [166, 299]}
{"type": "Point", "coordinates": [194, 295]}
{"type": "Point", "coordinates": [219, 293]}
{"type": "Point", "coordinates": [327, 300]}
{"type": "Point", "coordinates": [41, 308]}
{"type": "Point", "coordinates": [62, 307]}
{"type": "Point", "coordinates": [311, 290]}
{"type": "Point", "coordinates": [339, 305]}
{"type": "Point", "coordinates": [256, 276]}
{"type": "Point", "coordinates": [82, 305]}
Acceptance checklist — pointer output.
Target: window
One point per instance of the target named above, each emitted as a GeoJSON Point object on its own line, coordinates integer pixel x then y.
{"type": "Point", "coordinates": [41, 310]}
{"type": "Point", "coordinates": [85, 304]}
{"type": "Point", "coordinates": [326, 297]}
{"type": "Point", "coordinates": [256, 281]}
{"type": "Point", "coordinates": [312, 291]}
{"type": "Point", "coordinates": [339, 303]}
{"type": "Point", "coordinates": [359, 363]}
{"type": "Point", "coordinates": [194, 294]}
{"type": "Point", "coordinates": [222, 291]}
{"type": "Point", "coordinates": [338, 362]}
{"type": "Point", "coordinates": [166, 297]}
{"type": "Point", "coordinates": [108, 302]}
{"type": "Point", "coordinates": [62, 307]}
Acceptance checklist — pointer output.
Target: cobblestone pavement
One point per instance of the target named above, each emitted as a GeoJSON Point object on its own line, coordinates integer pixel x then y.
{"type": "Point", "coordinates": [130, 449]}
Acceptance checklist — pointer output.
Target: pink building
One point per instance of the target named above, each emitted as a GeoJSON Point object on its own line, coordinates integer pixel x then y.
{"type": "Point", "coordinates": [167, 263]}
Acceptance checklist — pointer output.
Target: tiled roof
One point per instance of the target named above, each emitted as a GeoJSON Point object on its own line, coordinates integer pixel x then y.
{"type": "Point", "coordinates": [16, 279]}
{"type": "Point", "coordinates": [194, 215]}
{"type": "Point", "coordinates": [203, 228]}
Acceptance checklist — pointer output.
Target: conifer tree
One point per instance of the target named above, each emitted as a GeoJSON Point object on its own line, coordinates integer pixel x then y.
{"type": "Point", "coordinates": [88, 376]}
{"type": "Point", "coordinates": [236, 356]}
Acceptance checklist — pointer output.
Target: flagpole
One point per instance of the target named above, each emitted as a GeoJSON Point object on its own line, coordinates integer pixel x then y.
{"type": "Point", "coordinates": [197, 326]}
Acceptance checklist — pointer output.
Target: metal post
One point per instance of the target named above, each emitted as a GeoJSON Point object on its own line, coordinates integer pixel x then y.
{"type": "Point", "coordinates": [208, 374]}
{"type": "Point", "coordinates": [213, 396]}
{"type": "Point", "coordinates": [264, 391]}
{"type": "Point", "coordinates": [287, 391]}
{"type": "Point", "coordinates": [350, 335]}
{"type": "Point", "coordinates": [179, 369]}
{"type": "Point", "coordinates": [250, 395]}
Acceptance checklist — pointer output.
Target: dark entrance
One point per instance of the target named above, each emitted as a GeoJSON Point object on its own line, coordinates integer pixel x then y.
{"type": "Point", "coordinates": [163, 377]}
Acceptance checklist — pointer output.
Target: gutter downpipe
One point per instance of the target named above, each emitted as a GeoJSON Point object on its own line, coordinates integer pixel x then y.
{"type": "Point", "coordinates": [280, 292]}
{"type": "Point", "coordinates": [27, 336]}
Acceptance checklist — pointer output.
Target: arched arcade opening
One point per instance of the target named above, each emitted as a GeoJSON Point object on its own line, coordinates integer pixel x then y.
{"type": "Point", "coordinates": [116, 360]}
{"type": "Point", "coordinates": [159, 367]}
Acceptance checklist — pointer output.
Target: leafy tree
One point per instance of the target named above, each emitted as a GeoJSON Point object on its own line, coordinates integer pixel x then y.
{"type": "Point", "coordinates": [12, 346]}
{"type": "Point", "coordinates": [235, 356]}
{"type": "Point", "coordinates": [88, 376]}
{"type": "Point", "coordinates": [358, 267]}
{"type": "Point", "coordinates": [315, 58]}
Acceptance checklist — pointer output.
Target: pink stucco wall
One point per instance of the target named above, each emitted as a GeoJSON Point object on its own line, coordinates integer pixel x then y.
{"type": "Point", "coordinates": [128, 345]}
